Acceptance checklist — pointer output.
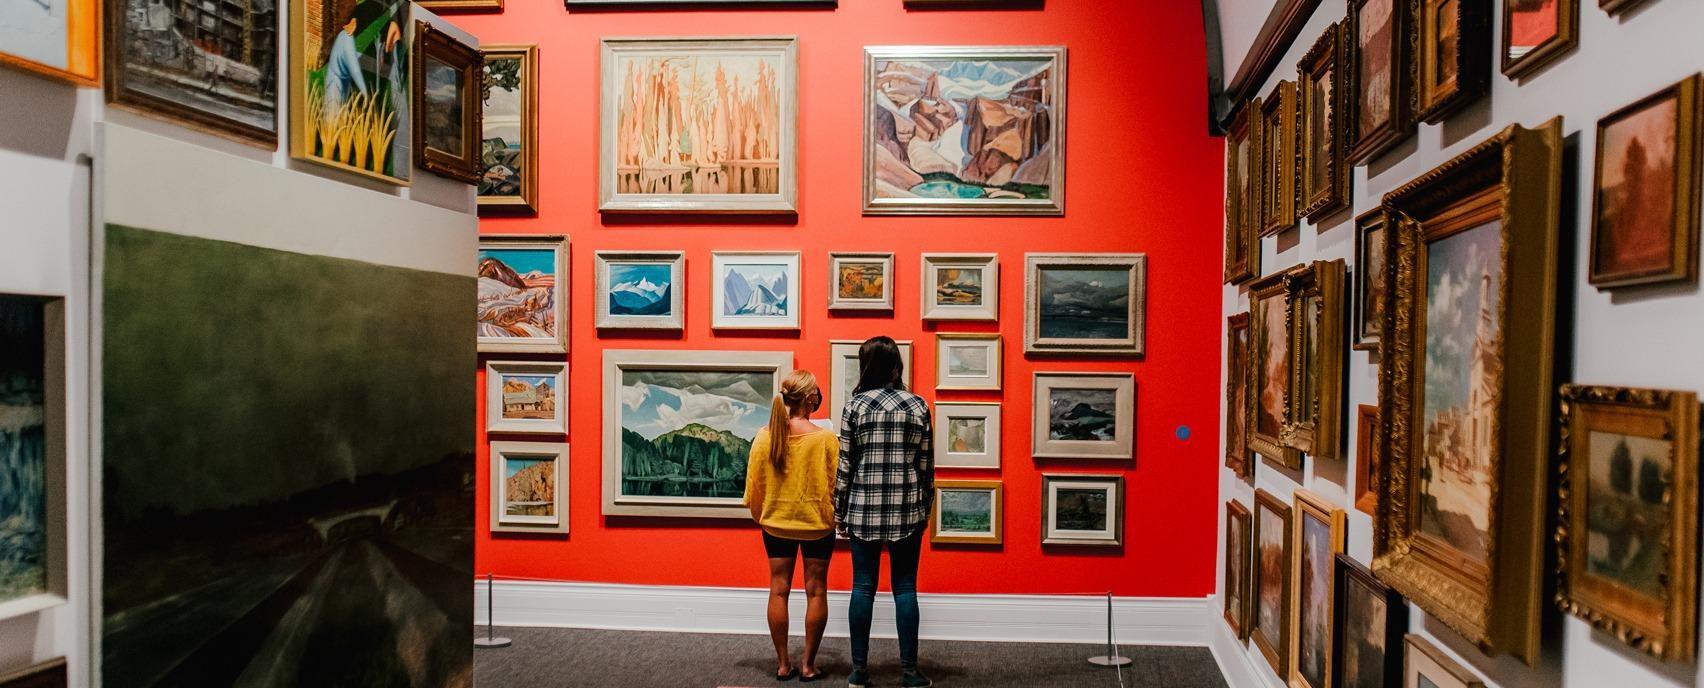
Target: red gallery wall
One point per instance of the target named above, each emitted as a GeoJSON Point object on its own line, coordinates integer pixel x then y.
{"type": "Point", "coordinates": [1142, 175]}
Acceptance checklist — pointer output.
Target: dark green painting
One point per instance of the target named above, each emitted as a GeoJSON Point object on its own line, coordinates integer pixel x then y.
{"type": "Point", "coordinates": [288, 486]}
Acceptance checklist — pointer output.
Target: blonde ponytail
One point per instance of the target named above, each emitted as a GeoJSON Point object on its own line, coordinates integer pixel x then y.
{"type": "Point", "coordinates": [796, 389]}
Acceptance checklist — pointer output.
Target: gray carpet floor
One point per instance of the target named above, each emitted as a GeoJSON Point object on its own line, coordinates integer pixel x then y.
{"type": "Point", "coordinates": [553, 657]}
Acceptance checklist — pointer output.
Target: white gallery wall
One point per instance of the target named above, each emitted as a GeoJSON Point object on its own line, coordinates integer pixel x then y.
{"type": "Point", "coordinates": [1637, 338]}
{"type": "Point", "coordinates": [51, 139]}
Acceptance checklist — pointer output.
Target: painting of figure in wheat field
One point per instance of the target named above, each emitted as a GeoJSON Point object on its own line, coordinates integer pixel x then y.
{"type": "Point", "coordinates": [350, 86]}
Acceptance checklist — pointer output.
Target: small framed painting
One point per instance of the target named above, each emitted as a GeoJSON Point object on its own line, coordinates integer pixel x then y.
{"type": "Point", "coordinates": [1627, 536]}
{"type": "Point", "coordinates": [964, 130]}
{"type": "Point", "coordinates": [1242, 186]}
{"type": "Point", "coordinates": [1237, 574]}
{"type": "Point", "coordinates": [1237, 457]}
{"type": "Point", "coordinates": [526, 397]}
{"type": "Point", "coordinates": [1428, 667]}
{"type": "Point", "coordinates": [967, 434]}
{"type": "Point", "coordinates": [1371, 272]}
{"type": "Point", "coordinates": [844, 372]}
{"type": "Point", "coordinates": [529, 487]}
{"type": "Point", "coordinates": [1082, 510]}
{"type": "Point", "coordinates": [1085, 303]}
{"type": "Point", "coordinates": [728, 145]}
{"type": "Point", "coordinates": [967, 512]}
{"type": "Point", "coordinates": [1319, 539]}
{"type": "Point", "coordinates": [1371, 619]}
{"type": "Point", "coordinates": [1366, 459]}
{"type": "Point", "coordinates": [860, 281]}
{"type": "Point", "coordinates": [33, 508]}
{"type": "Point", "coordinates": [509, 119]}
{"type": "Point", "coordinates": [523, 283]}
{"type": "Point", "coordinates": [961, 286]}
{"type": "Point", "coordinates": [1084, 416]}
{"type": "Point", "coordinates": [1325, 177]}
{"type": "Point", "coordinates": [350, 87]}
{"type": "Point", "coordinates": [1272, 604]}
{"type": "Point", "coordinates": [1315, 423]}
{"type": "Point", "coordinates": [1452, 70]}
{"type": "Point", "coordinates": [968, 361]}
{"type": "Point", "coordinates": [59, 40]}
{"type": "Point", "coordinates": [1269, 371]}
{"type": "Point", "coordinates": [448, 98]}
{"type": "Point", "coordinates": [1536, 32]}
{"type": "Point", "coordinates": [462, 5]}
{"type": "Point", "coordinates": [641, 290]}
{"type": "Point", "coordinates": [1278, 159]}
{"type": "Point", "coordinates": [1379, 66]}
{"type": "Point", "coordinates": [1645, 192]}
{"type": "Point", "coordinates": [755, 290]}
{"type": "Point", "coordinates": [161, 71]}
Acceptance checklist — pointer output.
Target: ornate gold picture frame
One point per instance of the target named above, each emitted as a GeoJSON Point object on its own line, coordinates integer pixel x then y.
{"type": "Point", "coordinates": [1242, 201]}
{"type": "Point", "coordinates": [1319, 539]}
{"type": "Point", "coordinates": [1525, 47]}
{"type": "Point", "coordinates": [1379, 76]}
{"type": "Point", "coordinates": [1238, 458]}
{"type": "Point", "coordinates": [1278, 160]}
{"type": "Point", "coordinates": [1325, 175]}
{"type": "Point", "coordinates": [1314, 424]}
{"type": "Point", "coordinates": [448, 134]}
{"type": "Point", "coordinates": [1452, 68]}
{"type": "Point", "coordinates": [1272, 617]}
{"type": "Point", "coordinates": [1269, 371]}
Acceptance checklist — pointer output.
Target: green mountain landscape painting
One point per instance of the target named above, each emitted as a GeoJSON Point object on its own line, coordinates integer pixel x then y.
{"type": "Point", "coordinates": [688, 433]}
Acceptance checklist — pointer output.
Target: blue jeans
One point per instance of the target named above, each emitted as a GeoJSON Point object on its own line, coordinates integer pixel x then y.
{"type": "Point", "coordinates": [866, 572]}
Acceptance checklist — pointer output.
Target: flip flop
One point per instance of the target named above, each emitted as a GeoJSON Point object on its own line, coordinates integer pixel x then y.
{"type": "Point", "coordinates": [788, 676]}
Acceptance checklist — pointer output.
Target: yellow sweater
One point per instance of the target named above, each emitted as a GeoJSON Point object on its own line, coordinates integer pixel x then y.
{"type": "Point", "coordinates": [796, 501]}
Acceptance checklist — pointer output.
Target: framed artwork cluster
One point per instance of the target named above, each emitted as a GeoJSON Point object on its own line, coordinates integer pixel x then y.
{"type": "Point", "coordinates": [1285, 590]}
{"type": "Point", "coordinates": [1291, 367]}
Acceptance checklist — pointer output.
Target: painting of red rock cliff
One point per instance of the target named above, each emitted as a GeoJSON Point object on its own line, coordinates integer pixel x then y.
{"type": "Point", "coordinates": [522, 303]}
{"type": "Point", "coordinates": [964, 131]}
{"type": "Point", "coordinates": [699, 125]}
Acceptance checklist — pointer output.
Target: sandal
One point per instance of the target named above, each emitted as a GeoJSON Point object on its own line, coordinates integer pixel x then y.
{"type": "Point", "coordinates": [788, 676]}
{"type": "Point", "coordinates": [803, 678]}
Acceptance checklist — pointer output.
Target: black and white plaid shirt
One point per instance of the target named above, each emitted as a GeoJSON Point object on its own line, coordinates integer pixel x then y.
{"type": "Point", "coordinates": [885, 486]}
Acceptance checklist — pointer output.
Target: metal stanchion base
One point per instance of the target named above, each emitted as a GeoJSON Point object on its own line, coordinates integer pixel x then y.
{"type": "Point", "coordinates": [1109, 661]}
{"type": "Point", "coordinates": [492, 642]}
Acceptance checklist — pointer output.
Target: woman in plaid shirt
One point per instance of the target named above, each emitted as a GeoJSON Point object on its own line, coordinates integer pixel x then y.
{"type": "Point", "coordinates": [883, 492]}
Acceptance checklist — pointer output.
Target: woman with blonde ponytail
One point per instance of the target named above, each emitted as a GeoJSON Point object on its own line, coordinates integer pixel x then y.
{"type": "Point", "coordinates": [790, 491]}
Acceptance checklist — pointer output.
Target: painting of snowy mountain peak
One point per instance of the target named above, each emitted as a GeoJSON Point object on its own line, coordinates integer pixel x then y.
{"type": "Point", "coordinates": [31, 578]}
{"type": "Point", "coordinates": [522, 302]}
{"type": "Point", "coordinates": [964, 131]}
{"type": "Point", "coordinates": [640, 290]}
{"type": "Point", "coordinates": [699, 125]}
{"type": "Point", "coordinates": [755, 291]}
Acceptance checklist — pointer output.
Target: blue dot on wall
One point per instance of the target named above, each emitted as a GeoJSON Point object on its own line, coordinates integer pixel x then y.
{"type": "Point", "coordinates": [1183, 432]}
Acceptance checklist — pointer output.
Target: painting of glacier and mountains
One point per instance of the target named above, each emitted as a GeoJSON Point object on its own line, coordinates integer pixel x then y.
{"type": "Point", "coordinates": [641, 289]}
{"type": "Point", "coordinates": [754, 290]}
{"type": "Point", "coordinates": [519, 296]}
{"type": "Point", "coordinates": [688, 433]}
{"type": "Point", "coordinates": [23, 449]}
{"type": "Point", "coordinates": [979, 132]}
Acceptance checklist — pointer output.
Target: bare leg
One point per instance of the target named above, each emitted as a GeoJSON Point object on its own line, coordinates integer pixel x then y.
{"type": "Point", "coordinates": [816, 610]}
{"type": "Point", "coordinates": [780, 584]}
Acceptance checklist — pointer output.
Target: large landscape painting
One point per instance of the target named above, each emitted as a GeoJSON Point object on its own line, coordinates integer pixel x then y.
{"type": "Point", "coordinates": [688, 433]}
{"type": "Point", "coordinates": [212, 64]}
{"type": "Point", "coordinates": [23, 449]}
{"type": "Point", "coordinates": [286, 468]}
{"type": "Point", "coordinates": [965, 127]}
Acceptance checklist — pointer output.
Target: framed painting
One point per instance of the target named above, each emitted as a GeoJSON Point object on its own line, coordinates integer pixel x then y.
{"type": "Point", "coordinates": [678, 428]}
{"type": "Point", "coordinates": [1616, 7]}
{"type": "Point", "coordinates": [1319, 539]}
{"type": "Point", "coordinates": [1278, 159]}
{"type": "Point", "coordinates": [1366, 459]}
{"type": "Point", "coordinates": [1627, 532]}
{"type": "Point", "coordinates": [529, 487]}
{"type": "Point", "coordinates": [1315, 423]}
{"type": "Point", "coordinates": [58, 39]}
{"type": "Point", "coordinates": [964, 130]}
{"type": "Point", "coordinates": [1085, 303]}
{"type": "Point", "coordinates": [1645, 191]}
{"type": "Point", "coordinates": [50, 674]}
{"type": "Point", "coordinates": [1451, 69]}
{"type": "Point", "coordinates": [590, 4]}
{"type": "Point", "coordinates": [844, 372]}
{"type": "Point", "coordinates": [1465, 392]}
{"type": "Point", "coordinates": [1082, 510]}
{"type": "Point", "coordinates": [526, 397]}
{"type": "Point", "coordinates": [1428, 667]}
{"type": "Point", "coordinates": [211, 67]}
{"type": "Point", "coordinates": [1325, 175]}
{"type": "Point", "coordinates": [641, 290]}
{"type": "Point", "coordinates": [1370, 621]}
{"type": "Point", "coordinates": [1242, 183]}
{"type": "Point", "coordinates": [1084, 416]}
{"type": "Point", "coordinates": [462, 5]}
{"type": "Point", "coordinates": [961, 286]}
{"type": "Point", "coordinates": [1536, 32]}
{"type": "Point", "coordinates": [968, 361]}
{"type": "Point", "coordinates": [754, 290]}
{"type": "Point", "coordinates": [350, 87]}
{"type": "Point", "coordinates": [1238, 555]}
{"type": "Point", "coordinates": [1270, 626]}
{"type": "Point", "coordinates": [1383, 114]}
{"type": "Point", "coordinates": [1372, 271]}
{"type": "Point", "coordinates": [448, 96]}
{"type": "Point", "coordinates": [967, 512]}
{"type": "Point", "coordinates": [730, 142]}
{"type": "Point", "coordinates": [1269, 371]}
{"type": "Point", "coordinates": [508, 178]}
{"type": "Point", "coordinates": [860, 281]}
{"type": "Point", "coordinates": [33, 563]}
{"type": "Point", "coordinates": [967, 434]}
{"type": "Point", "coordinates": [523, 299]}
{"type": "Point", "coordinates": [1237, 455]}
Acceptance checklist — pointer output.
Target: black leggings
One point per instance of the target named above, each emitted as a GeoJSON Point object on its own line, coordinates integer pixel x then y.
{"type": "Point", "coordinates": [782, 548]}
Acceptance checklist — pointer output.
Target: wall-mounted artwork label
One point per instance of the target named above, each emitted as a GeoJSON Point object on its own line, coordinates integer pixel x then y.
{"type": "Point", "coordinates": [23, 449]}
{"type": "Point", "coordinates": [208, 65]}
{"type": "Point", "coordinates": [312, 503]}
{"type": "Point", "coordinates": [1463, 327]}
{"type": "Point", "coordinates": [522, 285]}
{"type": "Point", "coordinates": [964, 130]}
{"type": "Point", "coordinates": [350, 86]}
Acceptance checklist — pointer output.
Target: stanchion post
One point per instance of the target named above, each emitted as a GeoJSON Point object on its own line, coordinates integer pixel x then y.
{"type": "Point", "coordinates": [1111, 658]}
{"type": "Point", "coordinates": [490, 640]}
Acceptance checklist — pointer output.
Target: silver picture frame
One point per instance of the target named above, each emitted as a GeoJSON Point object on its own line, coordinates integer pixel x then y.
{"type": "Point", "coordinates": [502, 521]}
{"type": "Point", "coordinates": [1046, 440]}
{"type": "Point", "coordinates": [675, 319]}
{"type": "Point", "coordinates": [557, 342]}
{"type": "Point", "coordinates": [839, 302]}
{"type": "Point", "coordinates": [1056, 527]}
{"type": "Point", "coordinates": [986, 306]}
{"type": "Point", "coordinates": [721, 262]}
{"type": "Point", "coordinates": [1037, 337]}
{"type": "Point", "coordinates": [990, 378]}
{"type": "Point", "coordinates": [554, 404]}
{"type": "Point", "coordinates": [947, 452]}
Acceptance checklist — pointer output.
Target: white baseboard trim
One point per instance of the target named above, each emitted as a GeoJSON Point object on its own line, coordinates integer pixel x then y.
{"type": "Point", "coordinates": [1006, 618]}
{"type": "Point", "coordinates": [1237, 659]}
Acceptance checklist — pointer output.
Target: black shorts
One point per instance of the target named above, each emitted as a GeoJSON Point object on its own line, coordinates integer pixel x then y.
{"type": "Point", "coordinates": [782, 548]}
